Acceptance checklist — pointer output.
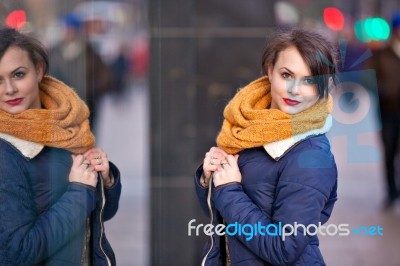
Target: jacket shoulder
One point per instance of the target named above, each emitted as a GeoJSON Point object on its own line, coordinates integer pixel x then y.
{"type": "Point", "coordinates": [318, 142]}
{"type": "Point", "coordinates": [315, 149]}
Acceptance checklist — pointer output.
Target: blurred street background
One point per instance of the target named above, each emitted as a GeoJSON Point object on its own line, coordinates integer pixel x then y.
{"type": "Point", "coordinates": [157, 75]}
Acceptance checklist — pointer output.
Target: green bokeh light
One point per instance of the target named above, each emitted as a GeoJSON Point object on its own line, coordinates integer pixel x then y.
{"type": "Point", "coordinates": [372, 29]}
{"type": "Point", "coordinates": [359, 31]}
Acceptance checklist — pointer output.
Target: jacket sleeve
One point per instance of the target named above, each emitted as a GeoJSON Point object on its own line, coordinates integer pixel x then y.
{"type": "Point", "coordinates": [305, 184]}
{"type": "Point", "coordinates": [112, 194]}
{"type": "Point", "coordinates": [26, 237]}
{"type": "Point", "coordinates": [201, 191]}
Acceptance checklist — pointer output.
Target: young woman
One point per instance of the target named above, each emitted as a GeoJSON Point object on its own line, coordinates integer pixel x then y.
{"type": "Point", "coordinates": [273, 167]}
{"type": "Point", "coordinates": [55, 188]}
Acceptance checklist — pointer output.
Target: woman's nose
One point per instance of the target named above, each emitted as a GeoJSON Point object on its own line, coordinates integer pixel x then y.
{"type": "Point", "coordinates": [293, 86]}
{"type": "Point", "coordinates": [10, 87]}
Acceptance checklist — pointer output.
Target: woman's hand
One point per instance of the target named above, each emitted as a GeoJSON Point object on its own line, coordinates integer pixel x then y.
{"type": "Point", "coordinates": [82, 171]}
{"type": "Point", "coordinates": [211, 162]}
{"type": "Point", "coordinates": [228, 171]}
{"type": "Point", "coordinates": [99, 161]}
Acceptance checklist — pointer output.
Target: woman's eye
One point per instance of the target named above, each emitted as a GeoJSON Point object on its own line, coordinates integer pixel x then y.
{"type": "Point", "coordinates": [19, 74]}
{"type": "Point", "coordinates": [285, 75]}
{"type": "Point", "coordinates": [309, 81]}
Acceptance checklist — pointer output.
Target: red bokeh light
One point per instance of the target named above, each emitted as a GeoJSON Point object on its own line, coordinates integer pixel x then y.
{"type": "Point", "coordinates": [16, 19]}
{"type": "Point", "coordinates": [333, 18]}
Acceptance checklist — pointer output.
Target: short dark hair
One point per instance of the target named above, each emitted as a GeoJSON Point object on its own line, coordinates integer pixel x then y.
{"type": "Point", "coordinates": [37, 53]}
{"type": "Point", "coordinates": [318, 53]}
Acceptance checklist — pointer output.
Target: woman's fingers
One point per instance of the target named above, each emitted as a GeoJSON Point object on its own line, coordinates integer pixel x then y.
{"type": "Point", "coordinates": [214, 157]}
{"type": "Point", "coordinates": [93, 151]}
{"type": "Point", "coordinates": [232, 160]}
{"type": "Point", "coordinates": [96, 161]}
{"type": "Point", "coordinates": [98, 158]}
{"type": "Point", "coordinates": [214, 161]}
{"type": "Point", "coordinates": [77, 160]}
{"type": "Point", "coordinates": [228, 171]}
{"type": "Point", "coordinates": [216, 153]}
{"type": "Point", "coordinates": [99, 161]}
{"type": "Point", "coordinates": [210, 168]}
{"type": "Point", "coordinates": [95, 154]}
{"type": "Point", "coordinates": [217, 150]}
{"type": "Point", "coordinates": [82, 171]}
{"type": "Point", "coordinates": [229, 161]}
{"type": "Point", "coordinates": [101, 168]}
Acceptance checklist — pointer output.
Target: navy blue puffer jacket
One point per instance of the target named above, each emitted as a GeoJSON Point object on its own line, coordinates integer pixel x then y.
{"type": "Point", "coordinates": [43, 217]}
{"type": "Point", "coordinates": [300, 186]}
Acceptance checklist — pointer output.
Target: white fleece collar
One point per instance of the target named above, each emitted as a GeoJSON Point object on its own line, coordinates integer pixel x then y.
{"type": "Point", "coordinates": [27, 148]}
{"type": "Point", "coordinates": [278, 148]}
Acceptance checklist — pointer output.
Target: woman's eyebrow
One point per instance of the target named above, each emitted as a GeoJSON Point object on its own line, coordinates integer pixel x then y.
{"type": "Point", "coordinates": [287, 69]}
{"type": "Point", "coordinates": [16, 69]}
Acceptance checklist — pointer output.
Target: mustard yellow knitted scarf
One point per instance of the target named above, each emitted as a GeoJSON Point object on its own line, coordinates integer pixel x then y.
{"type": "Point", "coordinates": [62, 122]}
{"type": "Point", "coordinates": [249, 123]}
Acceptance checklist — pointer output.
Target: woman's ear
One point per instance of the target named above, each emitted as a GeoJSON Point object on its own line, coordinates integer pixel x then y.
{"type": "Point", "coordinates": [331, 84]}
{"type": "Point", "coordinates": [39, 71]}
{"type": "Point", "coordinates": [269, 71]}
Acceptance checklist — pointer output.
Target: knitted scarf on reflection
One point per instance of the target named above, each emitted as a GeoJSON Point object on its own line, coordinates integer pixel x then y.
{"type": "Point", "coordinates": [249, 123]}
{"type": "Point", "coordinates": [62, 122]}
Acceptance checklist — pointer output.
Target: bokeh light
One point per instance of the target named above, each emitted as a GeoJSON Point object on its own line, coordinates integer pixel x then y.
{"type": "Point", "coordinates": [377, 28]}
{"type": "Point", "coordinates": [333, 18]}
{"type": "Point", "coordinates": [372, 28]}
{"type": "Point", "coordinates": [16, 19]}
{"type": "Point", "coordinates": [286, 13]}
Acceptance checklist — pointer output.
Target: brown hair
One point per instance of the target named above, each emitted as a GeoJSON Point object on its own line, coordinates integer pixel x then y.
{"type": "Point", "coordinates": [37, 53]}
{"type": "Point", "coordinates": [316, 51]}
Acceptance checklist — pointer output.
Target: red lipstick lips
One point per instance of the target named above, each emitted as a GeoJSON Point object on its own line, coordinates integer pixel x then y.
{"type": "Point", "coordinates": [290, 102]}
{"type": "Point", "coordinates": [14, 102]}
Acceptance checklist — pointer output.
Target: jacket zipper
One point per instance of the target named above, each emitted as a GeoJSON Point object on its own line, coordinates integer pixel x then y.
{"type": "Point", "coordinates": [203, 262]}
{"type": "Point", "coordinates": [228, 254]}
{"type": "Point", "coordinates": [103, 202]}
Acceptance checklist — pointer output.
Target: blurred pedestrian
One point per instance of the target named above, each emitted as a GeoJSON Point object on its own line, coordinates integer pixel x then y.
{"type": "Point", "coordinates": [386, 62]}
{"type": "Point", "coordinates": [273, 166]}
{"type": "Point", "coordinates": [56, 189]}
{"type": "Point", "coordinates": [77, 63]}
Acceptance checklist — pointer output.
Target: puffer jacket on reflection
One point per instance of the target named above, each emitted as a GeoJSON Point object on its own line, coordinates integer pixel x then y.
{"type": "Point", "coordinates": [43, 217]}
